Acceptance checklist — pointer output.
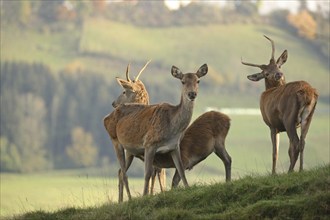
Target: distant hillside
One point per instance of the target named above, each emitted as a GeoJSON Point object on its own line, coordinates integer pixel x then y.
{"type": "Point", "coordinates": [303, 195]}
{"type": "Point", "coordinates": [106, 47]}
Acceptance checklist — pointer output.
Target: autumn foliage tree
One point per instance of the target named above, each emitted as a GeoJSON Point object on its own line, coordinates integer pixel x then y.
{"type": "Point", "coordinates": [304, 24]}
{"type": "Point", "coordinates": [82, 150]}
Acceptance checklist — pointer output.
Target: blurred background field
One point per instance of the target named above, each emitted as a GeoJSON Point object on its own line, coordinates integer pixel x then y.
{"type": "Point", "coordinates": [249, 147]}
{"type": "Point", "coordinates": [59, 60]}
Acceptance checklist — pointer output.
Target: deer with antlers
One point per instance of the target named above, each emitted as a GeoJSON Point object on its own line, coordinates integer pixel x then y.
{"type": "Point", "coordinates": [285, 107]}
{"type": "Point", "coordinates": [150, 129]}
{"type": "Point", "coordinates": [135, 92]}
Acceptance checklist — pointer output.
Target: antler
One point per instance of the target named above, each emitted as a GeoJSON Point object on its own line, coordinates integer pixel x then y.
{"type": "Point", "coordinates": [142, 70]}
{"type": "Point", "coordinates": [250, 64]}
{"type": "Point", "coordinates": [273, 48]}
{"type": "Point", "coordinates": [127, 73]}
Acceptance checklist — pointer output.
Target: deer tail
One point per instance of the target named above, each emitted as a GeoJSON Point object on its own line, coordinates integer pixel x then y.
{"type": "Point", "coordinates": [307, 99]}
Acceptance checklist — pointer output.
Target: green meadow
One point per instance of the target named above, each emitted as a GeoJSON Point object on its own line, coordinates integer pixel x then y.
{"type": "Point", "coordinates": [298, 195]}
{"type": "Point", "coordinates": [248, 143]}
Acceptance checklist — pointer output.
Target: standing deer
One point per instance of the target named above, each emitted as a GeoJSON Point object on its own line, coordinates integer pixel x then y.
{"type": "Point", "coordinates": [285, 107]}
{"type": "Point", "coordinates": [135, 92]}
{"type": "Point", "coordinates": [150, 129]}
{"type": "Point", "coordinates": [205, 135]}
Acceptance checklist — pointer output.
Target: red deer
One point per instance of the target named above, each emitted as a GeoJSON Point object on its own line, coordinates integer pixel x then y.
{"type": "Point", "coordinates": [135, 92]}
{"type": "Point", "coordinates": [205, 135]}
{"type": "Point", "coordinates": [150, 129]}
{"type": "Point", "coordinates": [285, 107]}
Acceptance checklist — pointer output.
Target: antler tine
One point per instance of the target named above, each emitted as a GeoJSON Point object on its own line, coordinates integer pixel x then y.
{"type": "Point", "coordinates": [250, 64]}
{"type": "Point", "coordinates": [273, 47]}
{"type": "Point", "coordinates": [142, 70]}
{"type": "Point", "coordinates": [127, 73]}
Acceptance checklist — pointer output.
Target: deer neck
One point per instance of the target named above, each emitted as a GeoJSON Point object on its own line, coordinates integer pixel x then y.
{"type": "Point", "coordinates": [142, 97]}
{"type": "Point", "coordinates": [182, 115]}
{"type": "Point", "coordinates": [273, 84]}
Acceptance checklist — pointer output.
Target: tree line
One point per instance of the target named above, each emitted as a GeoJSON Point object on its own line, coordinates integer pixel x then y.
{"type": "Point", "coordinates": [53, 120]}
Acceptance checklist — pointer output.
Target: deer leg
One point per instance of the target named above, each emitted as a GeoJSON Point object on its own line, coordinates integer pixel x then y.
{"type": "Point", "coordinates": [122, 172]}
{"type": "Point", "coordinates": [129, 160]}
{"type": "Point", "coordinates": [176, 179]}
{"type": "Point", "coordinates": [153, 179]}
{"type": "Point", "coordinates": [294, 147]}
{"type": "Point", "coordinates": [301, 150]}
{"type": "Point", "coordinates": [120, 186]}
{"type": "Point", "coordinates": [161, 175]}
{"type": "Point", "coordinates": [178, 164]}
{"type": "Point", "coordinates": [162, 179]}
{"type": "Point", "coordinates": [305, 123]}
{"type": "Point", "coordinates": [149, 154]}
{"type": "Point", "coordinates": [220, 151]}
{"type": "Point", "coordinates": [275, 137]}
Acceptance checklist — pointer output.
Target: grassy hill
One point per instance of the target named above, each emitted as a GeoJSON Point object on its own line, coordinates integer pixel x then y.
{"type": "Point", "coordinates": [303, 195]}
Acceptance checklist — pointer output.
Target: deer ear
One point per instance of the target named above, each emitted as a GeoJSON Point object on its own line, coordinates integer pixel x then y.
{"type": "Point", "coordinates": [176, 72]}
{"type": "Point", "coordinates": [256, 77]}
{"type": "Point", "coordinates": [282, 59]}
{"type": "Point", "coordinates": [202, 70]}
{"type": "Point", "coordinates": [123, 83]}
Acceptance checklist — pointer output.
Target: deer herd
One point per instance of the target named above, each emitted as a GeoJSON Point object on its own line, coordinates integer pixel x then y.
{"type": "Point", "coordinates": [160, 135]}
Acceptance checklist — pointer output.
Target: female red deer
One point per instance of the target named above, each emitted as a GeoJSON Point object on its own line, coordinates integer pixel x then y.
{"type": "Point", "coordinates": [285, 107]}
{"type": "Point", "coordinates": [150, 129]}
{"type": "Point", "coordinates": [204, 136]}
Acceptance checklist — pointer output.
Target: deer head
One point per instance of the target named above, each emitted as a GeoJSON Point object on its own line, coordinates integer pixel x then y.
{"type": "Point", "coordinates": [134, 90]}
{"type": "Point", "coordinates": [272, 72]}
{"type": "Point", "coordinates": [189, 81]}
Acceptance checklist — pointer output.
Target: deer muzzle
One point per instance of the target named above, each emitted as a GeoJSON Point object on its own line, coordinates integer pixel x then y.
{"type": "Point", "coordinates": [192, 95]}
{"type": "Point", "coordinates": [278, 76]}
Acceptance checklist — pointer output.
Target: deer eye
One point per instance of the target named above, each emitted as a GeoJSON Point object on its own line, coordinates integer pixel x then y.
{"type": "Point", "coordinates": [124, 92]}
{"type": "Point", "coordinates": [182, 82]}
{"type": "Point", "coordinates": [197, 81]}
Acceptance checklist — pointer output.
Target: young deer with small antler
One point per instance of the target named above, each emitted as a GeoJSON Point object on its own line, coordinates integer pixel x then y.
{"type": "Point", "coordinates": [285, 106]}
{"type": "Point", "coordinates": [150, 129]}
{"type": "Point", "coordinates": [135, 92]}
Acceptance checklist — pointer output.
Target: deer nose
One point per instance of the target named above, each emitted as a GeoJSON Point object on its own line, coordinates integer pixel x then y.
{"type": "Point", "coordinates": [192, 95]}
{"type": "Point", "coordinates": [278, 76]}
{"type": "Point", "coordinates": [114, 104]}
